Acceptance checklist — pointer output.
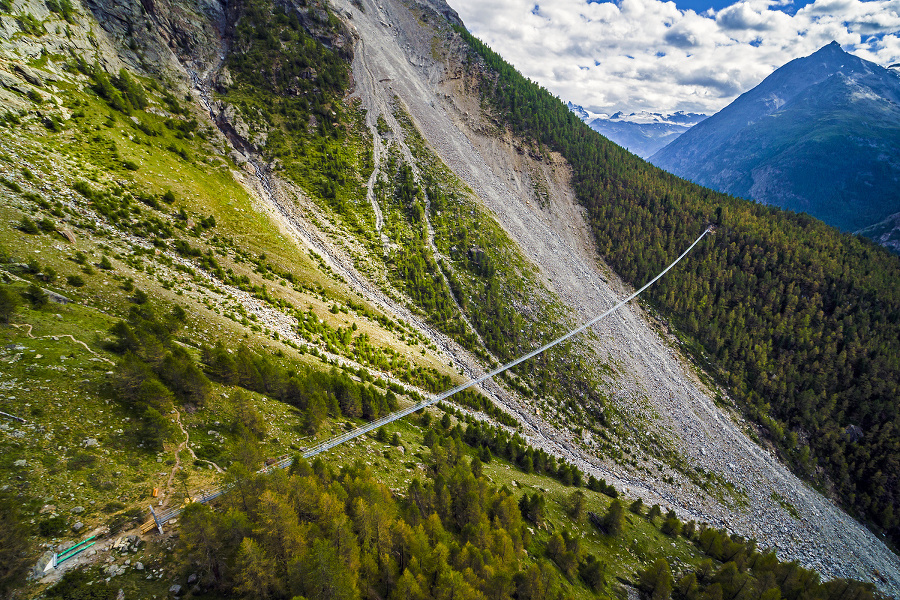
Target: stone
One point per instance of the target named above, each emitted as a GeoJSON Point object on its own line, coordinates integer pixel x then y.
{"type": "Point", "coordinates": [20, 463]}
{"type": "Point", "coordinates": [139, 566]}
{"type": "Point", "coordinates": [30, 75]}
{"type": "Point", "coordinates": [175, 589]}
{"type": "Point", "coordinates": [120, 595]}
{"type": "Point", "coordinates": [91, 443]}
{"type": "Point", "coordinates": [192, 579]}
{"type": "Point", "coordinates": [78, 510]}
{"type": "Point", "coordinates": [78, 526]}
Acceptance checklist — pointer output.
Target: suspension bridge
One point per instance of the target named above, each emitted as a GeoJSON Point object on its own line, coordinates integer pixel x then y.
{"type": "Point", "coordinates": [158, 520]}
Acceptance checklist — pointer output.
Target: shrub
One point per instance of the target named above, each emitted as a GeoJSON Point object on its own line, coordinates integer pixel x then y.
{"type": "Point", "coordinates": [131, 89]}
{"type": "Point", "coordinates": [81, 460]}
{"type": "Point", "coordinates": [26, 225]}
{"type": "Point", "coordinates": [84, 188]}
{"type": "Point", "coordinates": [63, 8]}
{"type": "Point", "coordinates": [36, 296]}
{"type": "Point", "coordinates": [53, 526]}
{"type": "Point", "coordinates": [637, 507]}
{"type": "Point", "coordinates": [9, 302]}
{"type": "Point", "coordinates": [53, 123]}
{"type": "Point", "coordinates": [106, 90]}
{"type": "Point", "coordinates": [614, 521]}
{"type": "Point", "coordinates": [78, 584]}
{"type": "Point", "coordinates": [593, 572]}
{"type": "Point", "coordinates": [113, 506]}
{"type": "Point", "coordinates": [75, 280]}
{"type": "Point", "coordinates": [11, 185]}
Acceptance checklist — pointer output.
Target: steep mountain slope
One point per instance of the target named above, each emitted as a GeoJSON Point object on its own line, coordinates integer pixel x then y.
{"type": "Point", "coordinates": [820, 135]}
{"type": "Point", "coordinates": [557, 238]}
{"type": "Point", "coordinates": [394, 244]}
{"type": "Point", "coordinates": [642, 133]}
{"type": "Point", "coordinates": [886, 233]}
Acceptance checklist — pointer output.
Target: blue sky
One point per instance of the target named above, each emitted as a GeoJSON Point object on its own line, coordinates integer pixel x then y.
{"type": "Point", "coordinates": [700, 6]}
{"type": "Point", "coordinates": [664, 56]}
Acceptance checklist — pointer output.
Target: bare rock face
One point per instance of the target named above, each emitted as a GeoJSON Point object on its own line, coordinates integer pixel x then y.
{"type": "Point", "coordinates": [159, 35]}
{"type": "Point", "coordinates": [224, 80]}
{"type": "Point", "coordinates": [445, 10]}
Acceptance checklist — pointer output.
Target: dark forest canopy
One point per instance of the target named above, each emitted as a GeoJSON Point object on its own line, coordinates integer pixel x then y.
{"type": "Point", "coordinates": [800, 322]}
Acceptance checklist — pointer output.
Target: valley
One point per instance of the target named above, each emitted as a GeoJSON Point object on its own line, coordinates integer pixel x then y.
{"type": "Point", "coordinates": [250, 239]}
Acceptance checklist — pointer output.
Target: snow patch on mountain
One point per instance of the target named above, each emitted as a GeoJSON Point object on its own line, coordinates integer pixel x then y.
{"type": "Point", "coordinates": [643, 132]}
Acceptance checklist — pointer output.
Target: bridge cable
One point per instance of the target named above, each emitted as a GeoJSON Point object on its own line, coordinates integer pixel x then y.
{"type": "Point", "coordinates": [331, 443]}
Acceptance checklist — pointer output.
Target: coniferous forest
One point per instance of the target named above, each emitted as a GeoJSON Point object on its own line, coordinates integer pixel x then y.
{"type": "Point", "coordinates": [799, 322]}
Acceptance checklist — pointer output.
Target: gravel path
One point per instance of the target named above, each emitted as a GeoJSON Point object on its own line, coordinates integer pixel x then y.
{"type": "Point", "coordinates": [653, 380]}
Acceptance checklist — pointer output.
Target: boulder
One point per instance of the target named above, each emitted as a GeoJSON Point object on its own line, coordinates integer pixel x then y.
{"type": "Point", "coordinates": [30, 75]}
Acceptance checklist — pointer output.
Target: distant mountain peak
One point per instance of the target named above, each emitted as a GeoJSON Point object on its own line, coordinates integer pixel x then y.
{"type": "Point", "coordinates": [817, 136]}
{"type": "Point", "coordinates": [642, 132]}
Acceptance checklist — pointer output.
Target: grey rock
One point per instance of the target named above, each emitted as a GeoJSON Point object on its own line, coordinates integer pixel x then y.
{"type": "Point", "coordinates": [78, 526]}
{"type": "Point", "coordinates": [20, 463]}
{"type": "Point", "coordinates": [120, 595]}
{"type": "Point", "coordinates": [30, 75]}
{"type": "Point", "coordinates": [38, 569]}
{"type": "Point", "coordinates": [139, 566]}
{"type": "Point", "coordinates": [91, 443]}
{"type": "Point", "coordinates": [175, 590]}
{"type": "Point", "coordinates": [192, 579]}
{"type": "Point", "coordinates": [9, 81]}
{"type": "Point", "coordinates": [78, 510]}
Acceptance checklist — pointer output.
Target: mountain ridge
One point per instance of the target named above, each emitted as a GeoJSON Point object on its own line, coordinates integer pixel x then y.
{"type": "Point", "coordinates": [643, 133]}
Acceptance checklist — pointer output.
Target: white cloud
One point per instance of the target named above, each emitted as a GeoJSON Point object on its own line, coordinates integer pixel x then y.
{"type": "Point", "coordinates": [648, 55]}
